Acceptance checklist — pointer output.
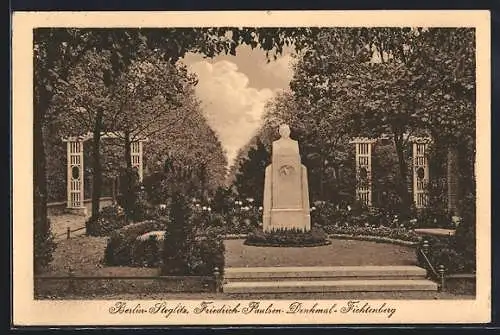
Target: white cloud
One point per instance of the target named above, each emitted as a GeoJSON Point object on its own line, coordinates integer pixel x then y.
{"type": "Point", "coordinates": [232, 108]}
{"type": "Point", "coordinates": [280, 68]}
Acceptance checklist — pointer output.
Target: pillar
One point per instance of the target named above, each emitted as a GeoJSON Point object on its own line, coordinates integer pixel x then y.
{"type": "Point", "coordinates": [420, 171]}
{"type": "Point", "coordinates": [364, 170]}
{"type": "Point", "coordinates": [136, 157]}
{"type": "Point", "coordinates": [75, 182]}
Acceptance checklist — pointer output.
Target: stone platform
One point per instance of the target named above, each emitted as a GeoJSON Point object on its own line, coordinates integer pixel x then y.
{"type": "Point", "coordinates": [326, 279]}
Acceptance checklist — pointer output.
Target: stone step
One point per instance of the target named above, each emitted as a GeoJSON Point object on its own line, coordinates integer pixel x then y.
{"type": "Point", "coordinates": [315, 286]}
{"type": "Point", "coordinates": [323, 273]}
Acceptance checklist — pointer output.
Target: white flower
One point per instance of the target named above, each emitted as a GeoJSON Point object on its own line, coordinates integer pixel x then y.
{"type": "Point", "coordinates": [313, 208]}
{"type": "Point", "coordinates": [159, 235]}
{"type": "Point", "coordinates": [260, 208]}
{"type": "Point", "coordinates": [209, 209]}
{"type": "Point", "coordinates": [456, 220]}
{"type": "Point", "coordinates": [163, 206]}
{"type": "Point", "coordinates": [204, 208]}
{"type": "Point", "coordinates": [348, 208]}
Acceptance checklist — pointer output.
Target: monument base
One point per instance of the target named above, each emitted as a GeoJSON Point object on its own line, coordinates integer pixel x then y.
{"type": "Point", "coordinates": [287, 219]}
{"type": "Point", "coordinates": [81, 211]}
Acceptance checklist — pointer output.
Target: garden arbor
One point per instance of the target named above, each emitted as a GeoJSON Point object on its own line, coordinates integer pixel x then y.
{"type": "Point", "coordinates": [420, 169]}
{"type": "Point", "coordinates": [75, 167]}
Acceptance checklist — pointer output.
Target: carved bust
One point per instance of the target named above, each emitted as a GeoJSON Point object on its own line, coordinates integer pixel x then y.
{"type": "Point", "coordinates": [285, 145]}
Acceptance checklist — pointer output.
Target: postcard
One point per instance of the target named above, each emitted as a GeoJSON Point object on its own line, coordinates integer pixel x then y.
{"type": "Point", "coordinates": [257, 167]}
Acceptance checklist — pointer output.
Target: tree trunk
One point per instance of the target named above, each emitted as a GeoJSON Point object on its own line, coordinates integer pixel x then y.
{"type": "Point", "coordinates": [128, 157]}
{"type": "Point", "coordinates": [452, 179]}
{"type": "Point", "coordinates": [96, 161]}
{"type": "Point", "coordinates": [39, 166]}
{"type": "Point", "coordinates": [405, 195]}
{"type": "Point", "coordinates": [127, 196]}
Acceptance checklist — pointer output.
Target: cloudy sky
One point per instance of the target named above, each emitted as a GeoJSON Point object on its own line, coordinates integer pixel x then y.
{"type": "Point", "coordinates": [234, 90]}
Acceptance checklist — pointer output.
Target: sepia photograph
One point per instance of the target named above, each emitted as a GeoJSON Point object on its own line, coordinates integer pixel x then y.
{"type": "Point", "coordinates": [208, 168]}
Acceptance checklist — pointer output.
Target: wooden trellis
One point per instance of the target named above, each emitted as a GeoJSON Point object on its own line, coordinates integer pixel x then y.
{"type": "Point", "coordinates": [364, 169]}
{"type": "Point", "coordinates": [75, 167]}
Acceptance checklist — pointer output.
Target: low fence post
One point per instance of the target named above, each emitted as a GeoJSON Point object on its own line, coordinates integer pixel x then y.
{"type": "Point", "coordinates": [441, 271]}
{"type": "Point", "coordinates": [68, 233]}
{"type": "Point", "coordinates": [217, 280]}
{"type": "Point", "coordinates": [425, 246]}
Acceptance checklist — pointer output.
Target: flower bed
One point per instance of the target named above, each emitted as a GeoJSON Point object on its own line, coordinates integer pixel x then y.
{"type": "Point", "coordinates": [287, 238]}
{"type": "Point", "coordinates": [373, 239]}
{"type": "Point", "coordinates": [383, 234]}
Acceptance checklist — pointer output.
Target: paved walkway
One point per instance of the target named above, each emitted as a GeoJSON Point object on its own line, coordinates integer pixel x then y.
{"type": "Point", "coordinates": [60, 221]}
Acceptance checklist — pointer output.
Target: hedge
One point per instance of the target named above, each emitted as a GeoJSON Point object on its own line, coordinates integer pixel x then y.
{"type": "Point", "coordinates": [287, 238]}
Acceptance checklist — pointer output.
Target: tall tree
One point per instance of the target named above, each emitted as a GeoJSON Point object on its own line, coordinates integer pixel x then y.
{"type": "Point", "coordinates": [250, 177]}
{"type": "Point", "coordinates": [56, 51]}
{"type": "Point", "coordinates": [396, 81]}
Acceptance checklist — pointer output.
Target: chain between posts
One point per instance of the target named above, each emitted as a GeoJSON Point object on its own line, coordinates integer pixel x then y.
{"type": "Point", "coordinates": [438, 275]}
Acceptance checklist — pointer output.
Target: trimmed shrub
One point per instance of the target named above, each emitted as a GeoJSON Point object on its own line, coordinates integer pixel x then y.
{"type": "Point", "coordinates": [122, 242]}
{"type": "Point", "coordinates": [193, 242]}
{"type": "Point", "coordinates": [178, 236]}
{"type": "Point", "coordinates": [44, 246]}
{"type": "Point", "coordinates": [207, 253]}
{"type": "Point", "coordinates": [146, 253]}
{"type": "Point", "coordinates": [287, 238]}
{"type": "Point", "coordinates": [110, 218]}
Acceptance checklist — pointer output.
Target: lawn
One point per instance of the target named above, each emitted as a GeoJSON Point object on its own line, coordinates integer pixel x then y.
{"type": "Point", "coordinates": [84, 255]}
{"type": "Point", "coordinates": [338, 253]}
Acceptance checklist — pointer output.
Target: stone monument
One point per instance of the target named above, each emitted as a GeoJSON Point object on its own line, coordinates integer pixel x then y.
{"type": "Point", "coordinates": [286, 193]}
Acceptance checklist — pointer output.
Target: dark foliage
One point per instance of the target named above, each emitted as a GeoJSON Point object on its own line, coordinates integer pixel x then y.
{"type": "Point", "coordinates": [287, 238]}
{"type": "Point", "coordinates": [250, 177]}
{"type": "Point", "coordinates": [458, 252]}
{"type": "Point", "coordinates": [122, 241]}
{"type": "Point", "coordinates": [44, 246]}
{"type": "Point", "coordinates": [178, 236]}
{"type": "Point", "coordinates": [110, 218]}
{"type": "Point", "coordinates": [129, 189]}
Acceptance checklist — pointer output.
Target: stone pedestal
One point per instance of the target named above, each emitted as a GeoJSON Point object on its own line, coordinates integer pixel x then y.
{"type": "Point", "coordinates": [286, 193]}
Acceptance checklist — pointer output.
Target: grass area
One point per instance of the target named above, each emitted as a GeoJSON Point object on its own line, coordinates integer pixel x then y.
{"type": "Point", "coordinates": [338, 253]}
{"type": "Point", "coordinates": [84, 254]}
